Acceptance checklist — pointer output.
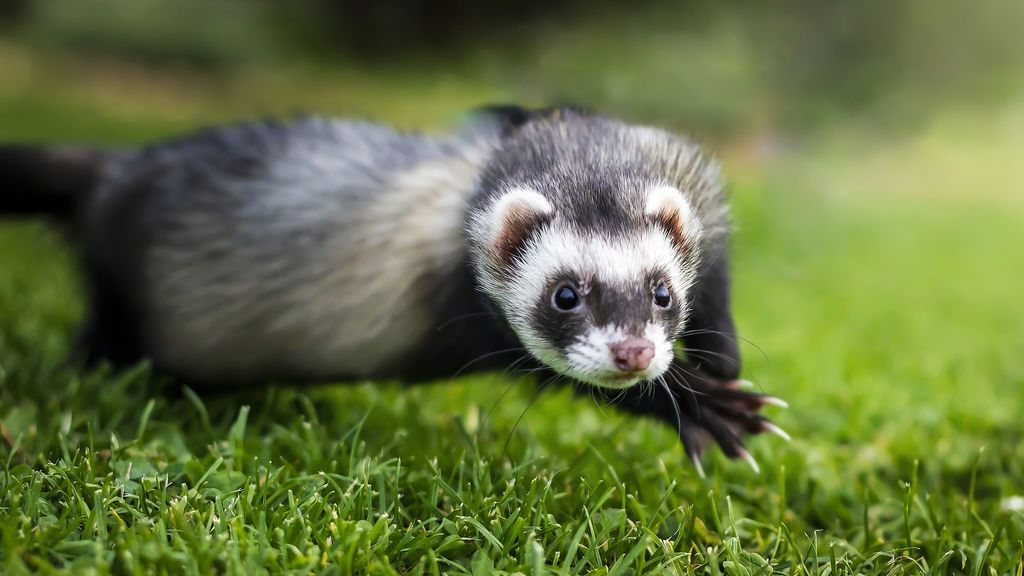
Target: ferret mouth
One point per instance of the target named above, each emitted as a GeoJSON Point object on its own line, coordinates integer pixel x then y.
{"type": "Point", "coordinates": [593, 363]}
{"type": "Point", "coordinates": [620, 380]}
{"type": "Point", "coordinates": [613, 379]}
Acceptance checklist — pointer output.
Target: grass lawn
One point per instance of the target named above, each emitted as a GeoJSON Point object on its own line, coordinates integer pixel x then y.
{"type": "Point", "coordinates": [879, 286]}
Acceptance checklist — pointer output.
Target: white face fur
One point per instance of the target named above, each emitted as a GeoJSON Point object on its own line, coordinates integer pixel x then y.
{"type": "Point", "coordinates": [601, 308]}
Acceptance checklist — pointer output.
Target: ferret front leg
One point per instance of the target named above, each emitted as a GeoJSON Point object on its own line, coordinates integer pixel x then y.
{"type": "Point", "coordinates": [709, 338]}
{"type": "Point", "coordinates": [703, 410]}
{"type": "Point", "coordinates": [701, 395]}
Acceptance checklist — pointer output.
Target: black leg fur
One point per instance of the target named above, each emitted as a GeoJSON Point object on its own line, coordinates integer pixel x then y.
{"type": "Point", "coordinates": [46, 180]}
{"type": "Point", "coordinates": [710, 335]}
{"type": "Point", "coordinates": [110, 332]}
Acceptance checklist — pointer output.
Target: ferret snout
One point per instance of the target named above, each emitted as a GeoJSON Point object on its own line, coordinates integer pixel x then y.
{"type": "Point", "coordinates": [633, 354]}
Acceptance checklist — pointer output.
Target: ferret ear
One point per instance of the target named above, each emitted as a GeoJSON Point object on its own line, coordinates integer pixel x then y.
{"type": "Point", "coordinates": [667, 207]}
{"type": "Point", "coordinates": [510, 118]}
{"type": "Point", "coordinates": [512, 219]}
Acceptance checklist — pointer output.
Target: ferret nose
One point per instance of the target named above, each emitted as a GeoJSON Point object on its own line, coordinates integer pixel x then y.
{"type": "Point", "coordinates": [633, 354]}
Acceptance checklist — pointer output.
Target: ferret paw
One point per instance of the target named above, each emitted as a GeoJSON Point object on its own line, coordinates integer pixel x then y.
{"type": "Point", "coordinates": [707, 411]}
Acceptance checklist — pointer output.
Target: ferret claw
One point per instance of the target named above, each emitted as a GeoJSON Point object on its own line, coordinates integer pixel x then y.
{"type": "Point", "coordinates": [698, 466]}
{"type": "Point", "coordinates": [772, 428]}
{"type": "Point", "coordinates": [708, 411]}
{"type": "Point", "coordinates": [743, 454]}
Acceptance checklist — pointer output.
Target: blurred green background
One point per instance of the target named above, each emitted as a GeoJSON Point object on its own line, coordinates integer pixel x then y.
{"type": "Point", "coordinates": [874, 154]}
{"type": "Point", "coordinates": [720, 69]}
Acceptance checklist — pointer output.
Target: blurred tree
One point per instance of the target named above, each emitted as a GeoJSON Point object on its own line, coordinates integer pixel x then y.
{"type": "Point", "coordinates": [12, 10]}
{"type": "Point", "coordinates": [714, 65]}
{"type": "Point", "coordinates": [383, 28]}
{"type": "Point", "coordinates": [829, 55]}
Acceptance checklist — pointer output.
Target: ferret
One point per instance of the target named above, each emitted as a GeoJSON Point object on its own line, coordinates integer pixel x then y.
{"type": "Point", "coordinates": [553, 240]}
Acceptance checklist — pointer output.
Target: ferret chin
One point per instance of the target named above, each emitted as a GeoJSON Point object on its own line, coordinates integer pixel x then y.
{"type": "Point", "coordinates": [568, 244]}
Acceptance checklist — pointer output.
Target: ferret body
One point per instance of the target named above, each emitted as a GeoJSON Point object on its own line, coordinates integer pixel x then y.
{"type": "Point", "coordinates": [328, 250]}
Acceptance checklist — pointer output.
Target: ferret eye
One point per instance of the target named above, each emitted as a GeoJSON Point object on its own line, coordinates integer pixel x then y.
{"type": "Point", "coordinates": [565, 298]}
{"type": "Point", "coordinates": [662, 297]}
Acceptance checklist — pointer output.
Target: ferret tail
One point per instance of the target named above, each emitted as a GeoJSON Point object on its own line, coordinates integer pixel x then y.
{"type": "Point", "coordinates": [48, 181]}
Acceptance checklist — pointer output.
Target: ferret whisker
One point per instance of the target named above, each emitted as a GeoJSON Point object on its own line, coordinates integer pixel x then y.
{"type": "Point", "coordinates": [734, 337]}
{"type": "Point", "coordinates": [533, 399]}
{"type": "Point", "coordinates": [699, 331]}
{"type": "Point", "coordinates": [618, 397]}
{"type": "Point", "coordinates": [513, 368]}
{"type": "Point", "coordinates": [484, 357]}
{"type": "Point", "coordinates": [693, 394]}
{"type": "Point", "coordinates": [684, 385]}
{"type": "Point", "coordinates": [600, 400]}
{"type": "Point", "coordinates": [701, 353]}
{"type": "Point", "coordinates": [532, 371]}
{"type": "Point", "coordinates": [675, 404]}
{"type": "Point", "coordinates": [528, 371]}
{"type": "Point", "coordinates": [451, 321]}
{"type": "Point", "coordinates": [494, 406]}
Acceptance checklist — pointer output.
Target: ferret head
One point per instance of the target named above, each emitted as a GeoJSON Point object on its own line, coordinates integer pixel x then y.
{"type": "Point", "coordinates": [587, 233]}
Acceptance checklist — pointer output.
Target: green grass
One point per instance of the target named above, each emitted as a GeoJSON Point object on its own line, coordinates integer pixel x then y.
{"type": "Point", "coordinates": [880, 299]}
